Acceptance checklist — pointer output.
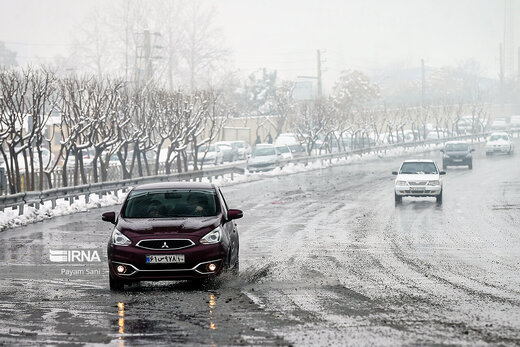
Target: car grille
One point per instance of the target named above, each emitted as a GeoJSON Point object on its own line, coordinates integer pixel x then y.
{"type": "Point", "coordinates": [417, 183]}
{"type": "Point", "coordinates": [165, 244]}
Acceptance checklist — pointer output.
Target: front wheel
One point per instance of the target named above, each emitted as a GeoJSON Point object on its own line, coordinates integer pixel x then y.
{"type": "Point", "coordinates": [439, 198]}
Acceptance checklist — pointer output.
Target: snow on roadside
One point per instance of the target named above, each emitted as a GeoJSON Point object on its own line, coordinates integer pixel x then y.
{"type": "Point", "coordinates": [9, 218]}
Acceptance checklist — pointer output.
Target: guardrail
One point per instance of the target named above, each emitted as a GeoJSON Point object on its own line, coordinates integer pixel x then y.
{"type": "Point", "coordinates": [71, 193]}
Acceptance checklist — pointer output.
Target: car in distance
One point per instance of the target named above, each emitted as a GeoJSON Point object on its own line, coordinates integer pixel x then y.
{"type": "Point", "coordinates": [243, 149]}
{"type": "Point", "coordinates": [210, 154]}
{"type": "Point", "coordinates": [229, 153]}
{"type": "Point", "coordinates": [499, 124]}
{"type": "Point", "coordinates": [284, 151]}
{"type": "Point", "coordinates": [457, 153]}
{"type": "Point", "coordinates": [514, 123]}
{"type": "Point", "coordinates": [171, 231]}
{"type": "Point", "coordinates": [418, 178]}
{"type": "Point", "coordinates": [286, 139]}
{"type": "Point", "coordinates": [499, 142]}
{"type": "Point", "coordinates": [264, 157]}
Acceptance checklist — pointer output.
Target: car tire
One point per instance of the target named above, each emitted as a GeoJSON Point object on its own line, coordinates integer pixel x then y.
{"type": "Point", "coordinates": [236, 267]}
{"type": "Point", "coordinates": [439, 198]}
{"type": "Point", "coordinates": [115, 284]}
{"type": "Point", "coordinates": [398, 199]}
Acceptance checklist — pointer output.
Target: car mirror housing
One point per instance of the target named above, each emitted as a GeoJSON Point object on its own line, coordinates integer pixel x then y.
{"type": "Point", "coordinates": [234, 214]}
{"type": "Point", "coordinates": [109, 217]}
{"type": "Point", "coordinates": [442, 173]}
{"type": "Point", "coordinates": [394, 172]}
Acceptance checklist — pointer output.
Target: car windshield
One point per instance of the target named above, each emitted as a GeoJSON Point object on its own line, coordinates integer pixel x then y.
{"type": "Point", "coordinates": [283, 149]}
{"type": "Point", "coordinates": [418, 168]}
{"type": "Point", "coordinates": [169, 203]}
{"type": "Point", "coordinates": [211, 149]}
{"type": "Point", "coordinates": [454, 147]}
{"type": "Point", "coordinates": [498, 137]}
{"type": "Point", "coordinates": [259, 152]}
{"type": "Point", "coordinates": [297, 148]}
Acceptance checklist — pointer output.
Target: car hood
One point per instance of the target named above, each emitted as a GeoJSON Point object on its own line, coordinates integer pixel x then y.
{"type": "Point", "coordinates": [150, 226]}
{"type": "Point", "coordinates": [417, 177]}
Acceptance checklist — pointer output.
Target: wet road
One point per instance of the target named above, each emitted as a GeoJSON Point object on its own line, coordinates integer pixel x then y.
{"type": "Point", "coordinates": [326, 259]}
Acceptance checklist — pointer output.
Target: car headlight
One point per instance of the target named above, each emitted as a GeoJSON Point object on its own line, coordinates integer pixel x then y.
{"type": "Point", "coordinates": [118, 239]}
{"type": "Point", "coordinates": [214, 236]}
{"type": "Point", "coordinates": [401, 183]}
{"type": "Point", "coordinates": [434, 183]}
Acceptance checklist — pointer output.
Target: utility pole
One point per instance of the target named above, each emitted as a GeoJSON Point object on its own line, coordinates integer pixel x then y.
{"type": "Point", "coordinates": [147, 56]}
{"type": "Point", "coordinates": [318, 58]}
{"type": "Point", "coordinates": [423, 83]}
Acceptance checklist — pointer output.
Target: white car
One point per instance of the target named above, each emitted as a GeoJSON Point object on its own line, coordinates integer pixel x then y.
{"type": "Point", "coordinates": [499, 142]}
{"type": "Point", "coordinates": [210, 154]}
{"type": "Point", "coordinates": [499, 124]}
{"type": "Point", "coordinates": [284, 151]}
{"type": "Point", "coordinates": [514, 124]}
{"type": "Point", "coordinates": [243, 149]}
{"type": "Point", "coordinates": [418, 178]}
{"type": "Point", "coordinates": [286, 139]}
{"type": "Point", "coordinates": [264, 157]}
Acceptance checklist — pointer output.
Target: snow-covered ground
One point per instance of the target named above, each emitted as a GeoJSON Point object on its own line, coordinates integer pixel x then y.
{"type": "Point", "coordinates": [9, 218]}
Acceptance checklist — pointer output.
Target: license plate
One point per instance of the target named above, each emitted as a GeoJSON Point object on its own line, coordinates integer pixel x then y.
{"type": "Point", "coordinates": [165, 259]}
{"type": "Point", "coordinates": [457, 160]}
{"type": "Point", "coordinates": [417, 189]}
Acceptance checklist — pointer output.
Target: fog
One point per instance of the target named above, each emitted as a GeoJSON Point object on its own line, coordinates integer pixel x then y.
{"type": "Point", "coordinates": [371, 36]}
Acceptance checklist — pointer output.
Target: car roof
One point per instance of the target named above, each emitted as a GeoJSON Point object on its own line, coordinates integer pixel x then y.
{"type": "Point", "coordinates": [456, 142]}
{"type": "Point", "coordinates": [175, 185]}
{"type": "Point", "coordinates": [419, 161]}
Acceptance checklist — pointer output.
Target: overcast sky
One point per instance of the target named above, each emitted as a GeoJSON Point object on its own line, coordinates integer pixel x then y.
{"type": "Point", "coordinates": [284, 34]}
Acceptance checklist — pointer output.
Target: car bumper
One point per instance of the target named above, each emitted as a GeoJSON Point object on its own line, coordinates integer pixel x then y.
{"type": "Point", "coordinates": [418, 191]}
{"type": "Point", "coordinates": [456, 161]}
{"type": "Point", "coordinates": [501, 149]}
{"type": "Point", "coordinates": [195, 266]}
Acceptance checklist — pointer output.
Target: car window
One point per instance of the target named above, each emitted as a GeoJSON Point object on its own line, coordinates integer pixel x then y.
{"type": "Point", "coordinates": [264, 151]}
{"type": "Point", "coordinates": [498, 137]}
{"type": "Point", "coordinates": [283, 149]}
{"type": "Point", "coordinates": [170, 203]}
{"type": "Point", "coordinates": [453, 147]}
{"type": "Point", "coordinates": [418, 168]}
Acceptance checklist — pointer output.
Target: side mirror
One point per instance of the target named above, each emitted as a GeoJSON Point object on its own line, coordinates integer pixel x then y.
{"type": "Point", "coordinates": [394, 172]}
{"type": "Point", "coordinates": [109, 217]}
{"type": "Point", "coordinates": [234, 214]}
{"type": "Point", "coordinates": [442, 173]}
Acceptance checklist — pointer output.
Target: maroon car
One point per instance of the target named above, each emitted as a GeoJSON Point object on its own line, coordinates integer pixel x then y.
{"type": "Point", "coordinates": [170, 231]}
